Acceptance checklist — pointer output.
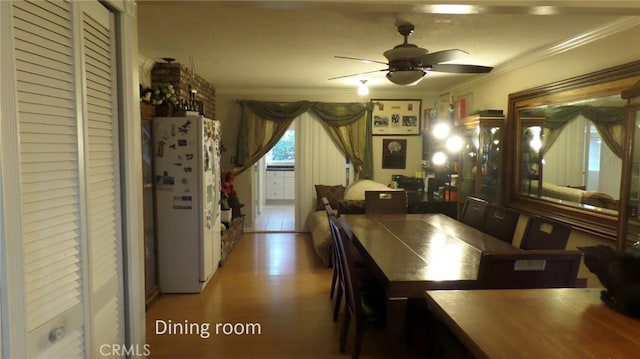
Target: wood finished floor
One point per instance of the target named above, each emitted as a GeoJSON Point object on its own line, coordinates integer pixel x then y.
{"type": "Point", "coordinates": [274, 280]}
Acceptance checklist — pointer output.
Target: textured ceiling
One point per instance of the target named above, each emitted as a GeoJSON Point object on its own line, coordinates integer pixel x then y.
{"type": "Point", "coordinates": [262, 46]}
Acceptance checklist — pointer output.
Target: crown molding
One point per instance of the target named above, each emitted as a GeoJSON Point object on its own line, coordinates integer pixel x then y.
{"type": "Point", "coordinates": [538, 55]}
{"type": "Point", "coordinates": [347, 93]}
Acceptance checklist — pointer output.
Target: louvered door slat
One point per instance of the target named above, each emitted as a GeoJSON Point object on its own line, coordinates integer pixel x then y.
{"type": "Point", "coordinates": [54, 251]}
{"type": "Point", "coordinates": [36, 79]}
{"type": "Point", "coordinates": [25, 41]}
{"type": "Point", "coordinates": [47, 11]}
{"type": "Point", "coordinates": [47, 167]}
{"type": "Point", "coordinates": [41, 90]}
{"type": "Point", "coordinates": [48, 129]}
{"type": "Point", "coordinates": [37, 108]}
{"type": "Point", "coordinates": [50, 54]}
{"type": "Point", "coordinates": [37, 60]}
{"type": "Point", "coordinates": [42, 29]}
{"type": "Point", "coordinates": [45, 157]}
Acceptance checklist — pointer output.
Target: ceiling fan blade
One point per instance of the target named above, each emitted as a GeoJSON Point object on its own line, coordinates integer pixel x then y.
{"type": "Point", "coordinates": [460, 69]}
{"type": "Point", "coordinates": [441, 56]}
{"type": "Point", "coordinates": [359, 59]}
{"type": "Point", "coordinates": [359, 73]}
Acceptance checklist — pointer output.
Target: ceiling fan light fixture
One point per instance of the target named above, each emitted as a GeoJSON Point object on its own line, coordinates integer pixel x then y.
{"type": "Point", "coordinates": [406, 77]}
{"type": "Point", "coordinates": [405, 51]}
{"type": "Point", "coordinates": [363, 89]}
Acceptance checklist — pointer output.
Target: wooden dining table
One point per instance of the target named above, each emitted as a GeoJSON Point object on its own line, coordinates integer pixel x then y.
{"type": "Point", "coordinates": [412, 253]}
{"type": "Point", "coordinates": [537, 323]}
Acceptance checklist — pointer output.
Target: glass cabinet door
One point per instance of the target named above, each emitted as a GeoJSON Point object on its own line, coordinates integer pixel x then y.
{"type": "Point", "coordinates": [481, 158]}
{"type": "Point", "coordinates": [469, 163]}
{"type": "Point", "coordinates": [489, 163]}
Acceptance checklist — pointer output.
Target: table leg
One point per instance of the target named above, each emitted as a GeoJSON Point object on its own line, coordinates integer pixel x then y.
{"type": "Point", "coordinates": [396, 321]}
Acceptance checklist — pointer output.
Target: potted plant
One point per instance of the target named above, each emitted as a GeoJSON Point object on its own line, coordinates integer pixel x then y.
{"type": "Point", "coordinates": [227, 194]}
{"type": "Point", "coordinates": [165, 99]}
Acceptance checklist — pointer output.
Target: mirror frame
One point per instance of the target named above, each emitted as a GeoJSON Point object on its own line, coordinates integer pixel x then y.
{"type": "Point", "coordinates": [611, 81]}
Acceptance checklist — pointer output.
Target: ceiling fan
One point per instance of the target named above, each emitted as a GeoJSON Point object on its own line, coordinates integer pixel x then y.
{"type": "Point", "coordinates": [408, 63]}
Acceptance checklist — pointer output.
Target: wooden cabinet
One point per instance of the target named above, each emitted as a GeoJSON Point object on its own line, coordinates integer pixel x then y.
{"type": "Point", "coordinates": [280, 185]}
{"type": "Point", "coordinates": [481, 159]}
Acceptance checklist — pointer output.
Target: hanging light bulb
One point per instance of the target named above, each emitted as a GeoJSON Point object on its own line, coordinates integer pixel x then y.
{"type": "Point", "coordinates": [363, 89]}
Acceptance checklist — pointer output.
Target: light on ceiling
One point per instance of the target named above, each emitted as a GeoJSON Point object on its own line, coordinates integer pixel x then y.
{"type": "Point", "coordinates": [457, 9]}
{"type": "Point", "coordinates": [363, 89]}
{"type": "Point", "coordinates": [405, 77]}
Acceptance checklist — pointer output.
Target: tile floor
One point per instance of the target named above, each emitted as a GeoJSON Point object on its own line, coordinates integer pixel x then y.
{"type": "Point", "coordinates": [276, 218]}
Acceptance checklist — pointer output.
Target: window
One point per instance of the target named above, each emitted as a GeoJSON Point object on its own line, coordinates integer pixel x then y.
{"type": "Point", "coordinates": [284, 152]}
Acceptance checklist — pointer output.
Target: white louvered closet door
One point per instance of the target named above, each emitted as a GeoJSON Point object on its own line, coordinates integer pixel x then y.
{"type": "Point", "coordinates": [69, 177]}
{"type": "Point", "coordinates": [102, 163]}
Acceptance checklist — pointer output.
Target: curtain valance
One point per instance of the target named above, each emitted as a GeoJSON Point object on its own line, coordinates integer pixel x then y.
{"type": "Point", "coordinates": [263, 123]}
{"type": "Point", "coordinates": [608, 121]}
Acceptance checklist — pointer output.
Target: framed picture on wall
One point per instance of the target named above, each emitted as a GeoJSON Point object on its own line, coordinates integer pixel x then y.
{"type": "Point", "coordinates": [396, 117]}
{"type": "Point", "coordinates": [394, 153]}
{"type": "Point", "coordinates": [462, 106]}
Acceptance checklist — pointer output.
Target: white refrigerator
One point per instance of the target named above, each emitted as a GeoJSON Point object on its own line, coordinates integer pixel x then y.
{"type": "Point", "coordinates": [187, 189]}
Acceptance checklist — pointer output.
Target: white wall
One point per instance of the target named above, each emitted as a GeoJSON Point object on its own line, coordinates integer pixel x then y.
{"type": "Point", "coordinates": [414, 158]}
{"type": "Point", "coordinates": [492, 91]}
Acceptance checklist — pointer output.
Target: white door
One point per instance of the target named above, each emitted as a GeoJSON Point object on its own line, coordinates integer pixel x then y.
{"type": "Point", "coordinates": [102, 163]}
{"type": "Point", "coordinates": [65, 283]}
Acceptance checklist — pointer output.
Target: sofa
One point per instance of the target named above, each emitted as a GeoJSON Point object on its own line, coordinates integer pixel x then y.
{"type": "Point", "coordinates": [343, 200]}
{"type": "Point", "coordinates": [564, 193]}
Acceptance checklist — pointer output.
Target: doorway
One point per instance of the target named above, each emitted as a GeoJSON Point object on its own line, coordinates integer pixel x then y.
{"type": "Point", "coordinates": [276, 175]}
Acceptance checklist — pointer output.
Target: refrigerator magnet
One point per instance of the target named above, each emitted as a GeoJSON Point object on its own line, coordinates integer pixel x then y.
{"type": "Point", "coordinates": [185, 127]}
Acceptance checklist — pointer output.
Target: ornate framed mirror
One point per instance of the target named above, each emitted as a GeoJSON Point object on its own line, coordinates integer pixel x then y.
{"type": "Point", "coordinates": [567, 141]}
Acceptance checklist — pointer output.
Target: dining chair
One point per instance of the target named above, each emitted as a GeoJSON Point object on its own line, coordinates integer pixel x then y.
{"type": "Point", "coordinates": [385, 202]}
{"type": "Point", "coordinates": [544, 233]}
{"type": "Point", "coordinates": [473, 212]}
{"type": "Point", "coordinates": [529, 269]}
{"type": "Point", "coordinates": [500, 222]}
{"type": "Point", "coordinates": [364, 303]}
{"type": "Point", "coordinates": [337, 278]}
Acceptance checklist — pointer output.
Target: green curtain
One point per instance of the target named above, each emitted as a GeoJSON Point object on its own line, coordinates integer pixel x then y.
{"type": "Point", "coordinates": [608, 120]}
{"type": "Point", "coordinates": [263, 123]}
{"type": "Point", "coordinates": [346, 124]}
{"type": "Point", "coordinates": [261, 126]}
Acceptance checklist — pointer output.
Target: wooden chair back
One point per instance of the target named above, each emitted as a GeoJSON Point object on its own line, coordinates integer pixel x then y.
{"type": "Point", "coordinates": [543, 233]}
{"type": "Point", "coordinates": [500, 222]}
{"type": "Point", "coordinates": [327, 207]}
{"type": "Point", "coordinates": [473, 212]}
{"type": "Point", "coordinates": [529, 269]}
{"type": "Point", "coordinates": [385, 202]}
{"type": "Point", "coordinates": [352, 293]}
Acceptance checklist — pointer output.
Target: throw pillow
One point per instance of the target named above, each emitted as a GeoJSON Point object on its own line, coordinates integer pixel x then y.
{"type": "Point", "coordinates": [333, 193]}
{"type": "Point", "coordinates": [351, 207]}
{"type": "Point", "coordinates": [355, 192]}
